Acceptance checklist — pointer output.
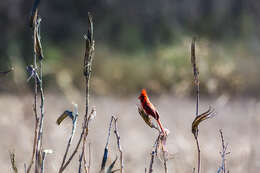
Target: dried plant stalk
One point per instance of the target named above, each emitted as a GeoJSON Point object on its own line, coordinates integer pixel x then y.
{"type": "Point", "coordinates": [89, 54]}
{"type": "Point", "coordinates": [38, 53]}
{"type": "Point", "coordinates": [154, 152]}
{"type": "Point", "coordinates": [209, 113]}
{"type": "Point", "coordinates": [119, 146]}
{"type": "Point", "coordinates": [147, 119]}
{"type": "Point", "coordinates": [195, 128]}
{"type": "Point", "coordinates": [35, 24]}
{"type": "Point", "coordinates": [223, 154]}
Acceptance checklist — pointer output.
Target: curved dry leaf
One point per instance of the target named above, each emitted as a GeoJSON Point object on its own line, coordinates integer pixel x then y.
{"type": "Point", "coordinates": [147, 119]}
{"type": "Point", "coordinates": [206, 115]}
{"type": "Point", "coordinates": [37, 40]}
{"type": "Point", "coordinates": [64, 115]}
{"type": "Point", "coordinates": [109, 170]}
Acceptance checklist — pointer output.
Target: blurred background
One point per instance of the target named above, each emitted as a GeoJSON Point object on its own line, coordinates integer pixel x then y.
{"type": "Point", "coordinates": [139, 44]}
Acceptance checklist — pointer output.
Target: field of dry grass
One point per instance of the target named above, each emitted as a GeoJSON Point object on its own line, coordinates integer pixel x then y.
{"type": "Point", "coordinates": [238, 118]}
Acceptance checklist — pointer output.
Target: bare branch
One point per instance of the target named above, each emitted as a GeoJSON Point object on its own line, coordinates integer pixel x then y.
{"type": "Point", "coordinates": [223, 154]}
{"type": "Point", "coordinates": [89, 158]}
{"type": "Point", "coordinates": [119, 145]}
{"type": "Point", "coordinates": [154, 152]}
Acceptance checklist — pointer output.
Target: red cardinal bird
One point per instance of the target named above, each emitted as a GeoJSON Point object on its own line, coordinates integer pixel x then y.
{"type": "Point", "coordinates": [149, 108]}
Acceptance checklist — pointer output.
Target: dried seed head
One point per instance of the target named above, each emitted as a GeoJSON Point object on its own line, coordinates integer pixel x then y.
{"type": "Point", "coordinates": [93, 113]}
{"type": "Point", "coordinates": [206, 115]}
{"type": "Point", "coordinates": [193, 62]}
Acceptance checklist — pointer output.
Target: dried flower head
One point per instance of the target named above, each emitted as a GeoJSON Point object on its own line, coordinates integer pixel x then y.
{"type": "Point", "coordinates": [193, 62]}
{"type": "Point", "coordinates": [93, 113]}
{"type": "Point", "coordinates": [206, 115]}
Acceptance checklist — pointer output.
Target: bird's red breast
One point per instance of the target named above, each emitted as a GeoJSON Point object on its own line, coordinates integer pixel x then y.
{"type": "Point", "coordinates": [147, 105]}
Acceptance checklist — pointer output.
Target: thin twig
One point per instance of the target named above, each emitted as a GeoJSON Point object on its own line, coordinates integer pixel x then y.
{"type": "Point", "coordinates": [85, 163]}
{"type": "Point", "coordinates": [82, 155]}
{"type": "Point", "coordinates": [151, 162]}
{"type": "Point", "coordinates": [223, 154]}
{"type": "Point", "coordinates": [154, 152]}
{"type": "Point", "coordinates": [165, 162]}
{"type": "Point", "coordinates": [119, 145]}
{"type": "Point", "coordinates": [198, 149]}
{"type": "Point", "coordinates": [80, 162]}
{"type": "Point", "coordinates": [74, 124]}
{"type": "Point", "coordinates": [35, 91]}
{"type": "Point", "coordinates": [34, 142]}
{"type": "Point", "coordinates": [89, 158]}
{"type": "Point", "coordinates": [43, 160]}
{"type": "Point", "coordinates": [40, 129]}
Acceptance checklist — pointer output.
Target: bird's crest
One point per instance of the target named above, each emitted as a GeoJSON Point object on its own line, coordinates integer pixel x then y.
{"type": "Point", "coordinates": [143, 94]}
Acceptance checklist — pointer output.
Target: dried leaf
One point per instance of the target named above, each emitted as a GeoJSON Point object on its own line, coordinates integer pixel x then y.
{"type": "Point", "coordinates": [109, 170]}
{"type": "Point", "coordinates": [37, 41]}
{"type": "Point", "coordinates": [147, 119]}
{"type": "Point", "coordinates": [34, 13]}
{"type": "Point", "coordinates": [65, 115]}
{"type": "Point", "coordinates": [206, 115]}
{"type": "Point", "coordinates": [104, 160]}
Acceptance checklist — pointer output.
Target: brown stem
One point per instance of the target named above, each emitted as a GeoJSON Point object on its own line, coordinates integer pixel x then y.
{"type": "Point", "coordinates": [89, 51]}
{"type": "Point", "coordinates": [198, 149]}
{"type": "Point", "coordinates": [119, 146]}
{"type": "Point", "coordinates": [34, 145]}
{"type": "Point", "coordinates": [151, 162]}
{"type": "Point", "coordinates": [197, 98]}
